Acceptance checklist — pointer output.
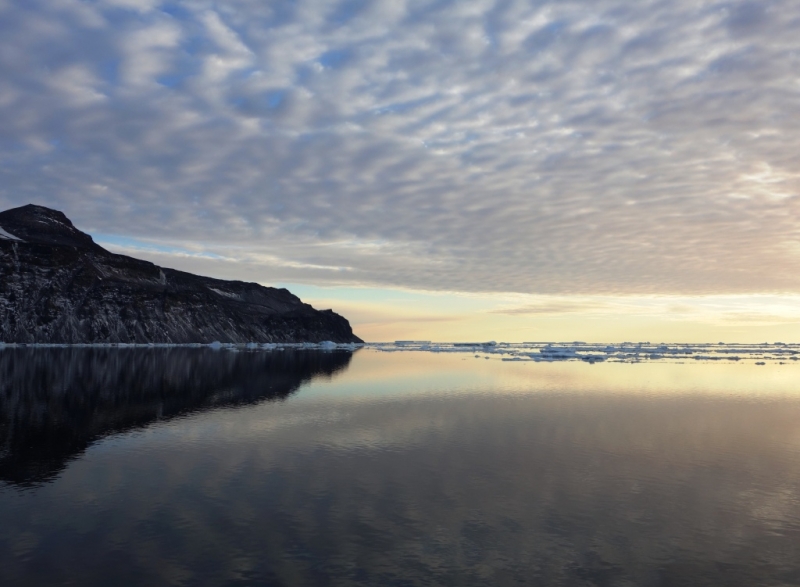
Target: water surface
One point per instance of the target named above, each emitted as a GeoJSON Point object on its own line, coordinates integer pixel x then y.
{"type": "Point", "coordinates": [302, 467]}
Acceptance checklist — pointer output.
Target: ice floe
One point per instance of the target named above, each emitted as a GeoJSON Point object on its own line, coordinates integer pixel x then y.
{"type": "Point", "coordinates": [627, 352]}
{"type": "Point", "coordinates": [539, 352]}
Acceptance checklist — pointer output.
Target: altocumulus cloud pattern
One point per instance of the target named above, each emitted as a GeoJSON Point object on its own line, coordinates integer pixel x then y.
{"type": "Point", "coordinates": [524, 146]}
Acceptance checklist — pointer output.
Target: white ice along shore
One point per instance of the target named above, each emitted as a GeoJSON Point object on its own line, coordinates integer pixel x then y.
{"type": "Point", "coordinates": [325, 345]}
{"type": "Point", "coordinates": [626, 352]}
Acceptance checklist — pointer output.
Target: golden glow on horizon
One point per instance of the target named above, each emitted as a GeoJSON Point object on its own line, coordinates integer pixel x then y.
{"type": "Point", "coordinates": [381, 314]}
{"type": "Point", "coordinates": [387, 315]}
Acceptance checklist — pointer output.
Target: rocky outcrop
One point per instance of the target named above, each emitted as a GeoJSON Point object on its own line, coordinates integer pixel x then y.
{"type": "Point", "coordinates": [58, 286]}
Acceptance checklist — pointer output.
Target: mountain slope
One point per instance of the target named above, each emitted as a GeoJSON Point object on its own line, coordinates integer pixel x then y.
{"type": "Point", "coordinates": [58, 286]}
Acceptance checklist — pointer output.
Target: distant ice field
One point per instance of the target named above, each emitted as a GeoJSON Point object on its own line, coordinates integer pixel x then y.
{"type": "Point", "coordinates": [626, 352]}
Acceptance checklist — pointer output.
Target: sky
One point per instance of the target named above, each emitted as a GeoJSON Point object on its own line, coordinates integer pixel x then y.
{"type": "Point", "coordinates": [599, 170]}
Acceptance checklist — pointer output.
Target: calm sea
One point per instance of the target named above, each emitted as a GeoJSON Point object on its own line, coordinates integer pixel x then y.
{"type": "Point", "coordinates": [298, 467]}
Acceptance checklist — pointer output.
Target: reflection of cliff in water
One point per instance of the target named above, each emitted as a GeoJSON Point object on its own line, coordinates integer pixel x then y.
{"type": "Point", "coordinates": [54, 403]}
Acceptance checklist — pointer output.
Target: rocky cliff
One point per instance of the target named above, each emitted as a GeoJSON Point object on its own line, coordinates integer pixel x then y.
{"type": "Point", "coordinates": [58, 286]}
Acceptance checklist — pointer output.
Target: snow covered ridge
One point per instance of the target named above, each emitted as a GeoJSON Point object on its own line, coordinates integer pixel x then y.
{"type": "Point", "coordinates": [627, 352]}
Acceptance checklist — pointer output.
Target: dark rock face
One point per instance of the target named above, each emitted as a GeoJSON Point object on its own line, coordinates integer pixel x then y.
{"type": "Point", "coordinates": [58, 286]}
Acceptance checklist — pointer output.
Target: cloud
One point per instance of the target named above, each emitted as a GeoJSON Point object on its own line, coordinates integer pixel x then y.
{"type": "Point", "coordinates": [709, 309]}
{"type": "Point", "coordinates": [547, 147]}
{"type": "Point", "coordinates": [554, 307]}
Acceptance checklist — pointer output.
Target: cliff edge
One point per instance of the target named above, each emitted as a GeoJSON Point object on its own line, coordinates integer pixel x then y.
{"type": "Point", "coordinates": [58, 286]}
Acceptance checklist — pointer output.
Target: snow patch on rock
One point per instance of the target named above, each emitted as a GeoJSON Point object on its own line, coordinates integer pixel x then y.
{"type": "Point", "coordinates": [8, 236]}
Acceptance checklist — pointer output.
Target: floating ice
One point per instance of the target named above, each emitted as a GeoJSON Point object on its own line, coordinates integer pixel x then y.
{"type": "Point", "coordinates": [626, 352]}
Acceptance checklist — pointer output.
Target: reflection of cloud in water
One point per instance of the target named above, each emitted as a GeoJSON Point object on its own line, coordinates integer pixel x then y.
{"type": "Point", "coordinates": [555, 487]}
